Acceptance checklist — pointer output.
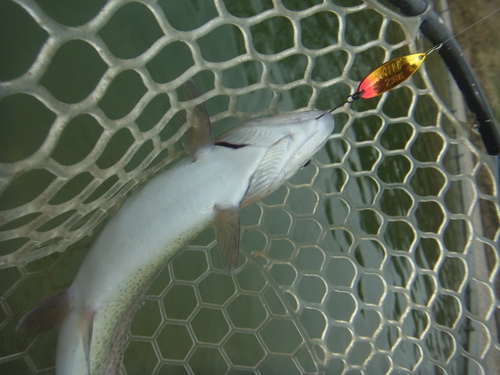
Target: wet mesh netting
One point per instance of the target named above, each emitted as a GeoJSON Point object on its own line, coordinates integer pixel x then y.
{"type": "Point", "coordinates": [380, 257]}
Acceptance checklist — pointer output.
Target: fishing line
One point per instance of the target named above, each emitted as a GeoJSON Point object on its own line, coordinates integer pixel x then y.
{"type": "Point", "coordinates": [471, 26]}
{"type": "Point", "coordinates": [395, 71]}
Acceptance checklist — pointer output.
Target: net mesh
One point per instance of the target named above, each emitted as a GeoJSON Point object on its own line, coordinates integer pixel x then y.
{"type": "Point", "coordinates": [380, 257]}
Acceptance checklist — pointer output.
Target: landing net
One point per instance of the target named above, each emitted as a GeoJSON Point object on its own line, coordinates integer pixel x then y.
{"type": "Point", "coordinates": [380, 257]}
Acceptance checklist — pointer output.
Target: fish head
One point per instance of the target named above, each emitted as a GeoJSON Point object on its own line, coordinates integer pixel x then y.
{"type": "Point", "coordinates": [289, 140]}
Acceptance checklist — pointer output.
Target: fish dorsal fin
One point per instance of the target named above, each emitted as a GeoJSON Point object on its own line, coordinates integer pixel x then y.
{"type": "Point", "coordinates": [199, 135]}
{"type": "Point", "coordinates": [227, 231]}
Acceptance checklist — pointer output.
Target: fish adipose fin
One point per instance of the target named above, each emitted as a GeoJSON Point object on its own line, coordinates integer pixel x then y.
{"type": "Point", "coordinates": [46, 315]}
{"type": "Point", "coordinates": [227, 231]}
{"type": "Point", "coordinates": [199, 135]}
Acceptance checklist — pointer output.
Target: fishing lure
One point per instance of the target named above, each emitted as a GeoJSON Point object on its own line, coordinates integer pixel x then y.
{"type": "Point", "coordinates": [387, 76]}
{"type": "Point", "coordinates": [391, 73]}
{"type": "Point", "coordinates": [394, 72]}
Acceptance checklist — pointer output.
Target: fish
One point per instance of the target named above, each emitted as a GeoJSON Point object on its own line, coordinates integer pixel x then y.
{"type": "Point", "coordinates": [208, 187]}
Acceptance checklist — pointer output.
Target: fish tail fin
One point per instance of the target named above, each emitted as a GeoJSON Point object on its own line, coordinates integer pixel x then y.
{"type": "Point", "coordinates": [46, 315]}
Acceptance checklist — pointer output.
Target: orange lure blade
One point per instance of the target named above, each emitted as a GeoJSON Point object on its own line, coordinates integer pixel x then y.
{"type": "Point", "coordinates": [387, 76]}
{"type": "Point", "coordinates": [391, 73]}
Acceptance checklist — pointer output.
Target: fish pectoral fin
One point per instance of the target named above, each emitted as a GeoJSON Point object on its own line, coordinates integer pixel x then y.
{"type": "Point", "coordinates": [86, 330]}
{"type": "Point", "coordinates": [199, 136]}
{"type": "Point", "coordinates": [227, 231]}
{"type": "Point", "coordinates": [46, 315]}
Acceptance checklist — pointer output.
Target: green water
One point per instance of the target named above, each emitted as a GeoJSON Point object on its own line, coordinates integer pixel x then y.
{"type": "Point", "coordinates": [366, 222]}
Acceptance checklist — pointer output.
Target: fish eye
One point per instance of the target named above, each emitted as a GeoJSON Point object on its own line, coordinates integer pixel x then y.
{"type": "Point", "coordinates": [306, 163]}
